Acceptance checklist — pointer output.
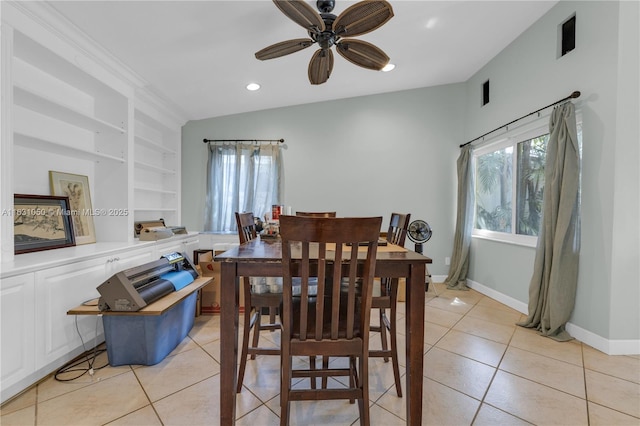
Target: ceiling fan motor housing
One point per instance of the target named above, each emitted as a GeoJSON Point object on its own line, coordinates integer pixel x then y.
{"type": "Point", "coordinates": [325, 6]}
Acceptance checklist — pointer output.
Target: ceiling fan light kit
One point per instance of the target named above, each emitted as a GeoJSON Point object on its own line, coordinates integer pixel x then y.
{"type": "Point", "coordinates": [328, 30]}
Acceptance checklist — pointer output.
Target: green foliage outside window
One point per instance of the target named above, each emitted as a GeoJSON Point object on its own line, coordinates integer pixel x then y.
{"type": "Point", "coordinates": [494, 183]}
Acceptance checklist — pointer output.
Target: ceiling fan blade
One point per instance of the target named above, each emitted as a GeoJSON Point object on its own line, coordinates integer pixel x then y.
{"type": "Point", "coordinates": [362, 54]}
{"type": "Point", "coordinates": [320, 66]}
{"type": "Point", "coordinates": [283, 48]}
{"type": "Point", "coordinates": [301, 13]}
{"type": "Point", "coordinates": [362, 18]}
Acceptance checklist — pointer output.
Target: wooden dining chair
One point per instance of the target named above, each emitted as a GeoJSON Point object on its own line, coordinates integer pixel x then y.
{"type": "Point", "coordinates": [388, 299]}
{"type": "Point", "coordinates": [334, 322]}
{"type": "Point", "coordinates": [254, 303]}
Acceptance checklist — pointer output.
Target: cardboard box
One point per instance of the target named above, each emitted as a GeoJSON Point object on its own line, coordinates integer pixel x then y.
{"type": "Point", "coordinates": [210, 300]}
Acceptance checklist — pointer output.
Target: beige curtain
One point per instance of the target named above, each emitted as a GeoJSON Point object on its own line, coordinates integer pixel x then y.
{"type": "Point", "coordinates": [457, 278]}
{"type": "Point", "coordinates": [553, 285]}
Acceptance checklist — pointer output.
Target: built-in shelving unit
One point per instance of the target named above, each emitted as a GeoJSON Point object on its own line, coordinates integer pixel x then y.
{"type": "Point", "coordinates": [68, 106]}
{"type": "Point", "coordinates": [72, 112]}
{"type": "Point", "coordinates": [156, 168]}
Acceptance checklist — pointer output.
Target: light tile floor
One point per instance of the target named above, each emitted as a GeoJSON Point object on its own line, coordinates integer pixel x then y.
{"type": "Point", "coordinates": [480, 369]}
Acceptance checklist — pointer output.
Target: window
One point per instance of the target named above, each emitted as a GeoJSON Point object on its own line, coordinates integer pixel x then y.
{"type": "Point", "coordinates": [509, 176]}
{"type": "Point", "coordinates": [241, 178]}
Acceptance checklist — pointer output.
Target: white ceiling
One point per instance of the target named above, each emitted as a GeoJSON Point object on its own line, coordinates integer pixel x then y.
{"type": "Point", "coordinates": [200, 54]}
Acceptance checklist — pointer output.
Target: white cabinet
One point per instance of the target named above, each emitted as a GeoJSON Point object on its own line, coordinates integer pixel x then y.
{"type": "Point", "coordinates": [17, 317]}
{"type": "Point", "coordinates": [38, 336]}
{"type": "Point", "coordinates": [59, 336]}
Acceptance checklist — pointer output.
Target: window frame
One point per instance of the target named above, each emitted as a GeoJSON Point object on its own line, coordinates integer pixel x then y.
{"type": "Point", "coordinates": [236, 161]}
{"type": "Point", "coordinates": [510, 138]}
{"type": "Point", "coordinates": [535, 127]}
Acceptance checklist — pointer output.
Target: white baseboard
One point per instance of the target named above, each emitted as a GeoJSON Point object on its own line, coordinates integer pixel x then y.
{"type": "Point", "coordinates": [609, 347]}
{"type": "Point", "coordinates": [496, 295]}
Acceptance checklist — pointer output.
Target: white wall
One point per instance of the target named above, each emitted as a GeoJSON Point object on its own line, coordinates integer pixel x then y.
{"type": "Point", "coordinates": [361, 156]}
{"type": "Point", "coordinates": [604, 68]}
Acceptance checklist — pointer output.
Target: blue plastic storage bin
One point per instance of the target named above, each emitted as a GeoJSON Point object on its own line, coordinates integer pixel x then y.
{"type": "Point", "coordinates": [148, 339]}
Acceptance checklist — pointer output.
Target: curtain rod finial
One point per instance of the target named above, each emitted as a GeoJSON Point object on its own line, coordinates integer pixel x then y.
{"type": "Point", "coordinates": [575, 94]}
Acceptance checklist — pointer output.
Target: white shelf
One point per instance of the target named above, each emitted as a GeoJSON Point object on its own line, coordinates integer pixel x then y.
{"type": "Point", "coordinates": [154, 168]}
{"type": "Point", "coordinates": [153, 144]}
{"type": "Point", "coordinates": [62, 149]}
{"type": "Point", "coordinates": [158, 209]}
{"type": "Point", "coordinates": [154, 190]}
{"type": "Point", "coordinates": [52, 108]}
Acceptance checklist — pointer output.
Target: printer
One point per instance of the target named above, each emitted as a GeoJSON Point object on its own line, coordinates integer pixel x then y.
{"type": "Point", "coordinates": [133, 289]}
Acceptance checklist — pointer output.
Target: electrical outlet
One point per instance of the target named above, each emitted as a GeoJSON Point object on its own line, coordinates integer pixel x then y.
{"type": "Point", "coordinates": [447, 261]}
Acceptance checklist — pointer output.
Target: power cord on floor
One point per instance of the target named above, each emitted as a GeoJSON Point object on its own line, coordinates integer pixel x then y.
{"type": "Point", "coordinates": [88, 357]}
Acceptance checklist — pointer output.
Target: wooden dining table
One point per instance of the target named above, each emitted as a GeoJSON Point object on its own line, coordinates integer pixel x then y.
{"type": "Point", "coordinates": [263, 258]}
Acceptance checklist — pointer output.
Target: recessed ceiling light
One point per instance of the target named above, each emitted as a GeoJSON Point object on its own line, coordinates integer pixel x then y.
{"type": "Point", "coordinates": [388, 67]}
{"type": "Point", "coordinates": [253, 86]}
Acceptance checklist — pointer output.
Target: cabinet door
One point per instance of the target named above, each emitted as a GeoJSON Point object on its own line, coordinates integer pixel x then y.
{"type": "Point", "coordinates": [58, 335]}
{"type": "Point", "coordinates": [59, 289]}
{"type": "Point", "coordinates": [17, 319]}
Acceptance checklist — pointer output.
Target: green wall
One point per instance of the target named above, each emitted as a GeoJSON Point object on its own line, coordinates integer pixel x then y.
{"type": "Point", "coordinates": [363, 156]}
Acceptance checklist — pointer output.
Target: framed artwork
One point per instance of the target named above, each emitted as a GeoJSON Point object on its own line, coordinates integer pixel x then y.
{"type": "Point", "coordinates": [41, 222]}
{"type": "Point", "coordinates": [76, 187]}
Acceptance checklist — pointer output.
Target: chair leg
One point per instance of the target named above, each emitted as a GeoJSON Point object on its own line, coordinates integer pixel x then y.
{"type": "Point", "coordinates": [394, 346]}
{"type": "Point", "coordinates": [285, 384]}
{"type": "Point", "coordinates": [383, 332]}
{"type": "Point", "coordinates": [363, 403]}
{"type": "Point", "coordinates": [272, 315]}
{"type": "Point", "coordinates": [325, 366]}
{"type": "Point", "coordinates": [354, 382]}
{"type": "Point", "coordinates": [245, 348]}
{"type": "Point", "coordinates": [312, 366]}
{"type": "Point", "coordinates": [256, 330]}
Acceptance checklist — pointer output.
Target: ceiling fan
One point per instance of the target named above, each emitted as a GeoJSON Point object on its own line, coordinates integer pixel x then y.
{"type": "Point", "coordinates": [329, 30]}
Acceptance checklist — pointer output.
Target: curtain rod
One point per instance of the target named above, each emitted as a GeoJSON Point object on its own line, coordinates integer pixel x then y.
{"type": "Point", "coordinates": [574, 95]}
{"type": "Point", "coordinates": [243, 140]}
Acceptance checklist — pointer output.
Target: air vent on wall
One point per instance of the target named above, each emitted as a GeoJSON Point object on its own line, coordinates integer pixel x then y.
{"type": "Point", "coordinates": [485, 93]}
{"type": "Point", "coordinates": [568, 35]}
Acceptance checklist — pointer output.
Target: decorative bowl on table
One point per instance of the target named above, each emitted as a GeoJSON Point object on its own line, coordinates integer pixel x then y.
{"type": "Point", "coordinates": [270, 230]}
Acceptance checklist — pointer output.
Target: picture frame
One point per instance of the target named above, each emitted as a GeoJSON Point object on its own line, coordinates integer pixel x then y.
{"type": "Point", "coordinates": [76, 187]}
{"type": "Point", "coordinates": [41, 222]}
